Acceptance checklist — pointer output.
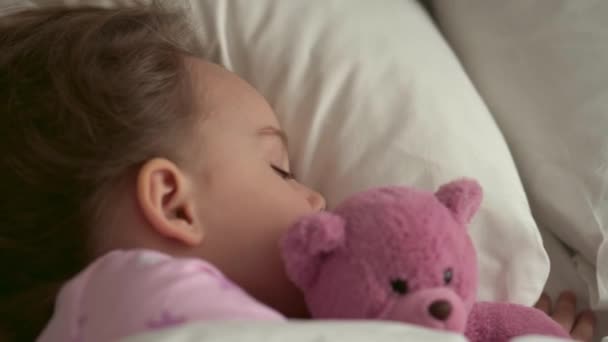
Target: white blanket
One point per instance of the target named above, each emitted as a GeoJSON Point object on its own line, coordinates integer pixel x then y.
{"type": "Point", "coordinates": [310, 331]}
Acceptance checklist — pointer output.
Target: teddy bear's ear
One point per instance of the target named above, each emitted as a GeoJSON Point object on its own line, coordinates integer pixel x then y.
{"type": "Point", "coordinates": [462, 197]}
{"type": "Point", "coordinates": [307, 243]}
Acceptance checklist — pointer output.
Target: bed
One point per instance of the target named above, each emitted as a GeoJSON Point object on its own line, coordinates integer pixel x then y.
{"type": "Point", "coordinates": [398, 92]}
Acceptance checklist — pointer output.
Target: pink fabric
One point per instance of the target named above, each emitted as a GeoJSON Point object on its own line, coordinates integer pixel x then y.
{"type": "Point", "coordinates": [504, 321]}
{"type": "Point", "coordinates": [128, 292]}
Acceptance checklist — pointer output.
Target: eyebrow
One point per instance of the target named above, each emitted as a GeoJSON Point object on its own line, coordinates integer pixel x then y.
{"type": "Point", "coordinates": [274, 132]}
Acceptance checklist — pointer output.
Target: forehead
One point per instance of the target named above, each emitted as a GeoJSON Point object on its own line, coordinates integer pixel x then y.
{"type": "Point", "coordinates": [221, 94]}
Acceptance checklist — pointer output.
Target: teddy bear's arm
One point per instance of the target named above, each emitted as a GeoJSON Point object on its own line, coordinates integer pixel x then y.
{"type": "Point", "coordinates": [502, 321]}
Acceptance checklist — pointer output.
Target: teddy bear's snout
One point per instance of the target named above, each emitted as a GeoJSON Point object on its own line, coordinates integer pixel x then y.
{"type": "Point", "coordinates": [440, 309]}
{"type": "Point", "coordinates": [437, 308]}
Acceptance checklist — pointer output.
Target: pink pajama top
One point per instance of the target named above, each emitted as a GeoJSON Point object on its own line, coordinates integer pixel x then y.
{"type": "Point", "coordinates": [128, 292]}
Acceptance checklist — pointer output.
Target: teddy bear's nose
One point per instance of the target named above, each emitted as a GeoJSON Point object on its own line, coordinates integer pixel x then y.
{"type": "Point", "coordinates": [440, 309]}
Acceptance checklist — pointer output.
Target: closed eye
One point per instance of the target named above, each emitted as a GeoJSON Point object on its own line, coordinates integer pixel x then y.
{"type": "Point", "coordinates": [284, 174]}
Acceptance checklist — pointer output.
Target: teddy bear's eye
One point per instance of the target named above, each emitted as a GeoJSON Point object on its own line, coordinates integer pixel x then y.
{"type": "Point", "coordinates": [399, 286]}
{"type": "Point", "coordinates": [447, 276]}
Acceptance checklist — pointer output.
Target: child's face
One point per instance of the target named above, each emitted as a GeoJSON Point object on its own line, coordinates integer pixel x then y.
{"type": "Point", "coordinates": [246, 200]}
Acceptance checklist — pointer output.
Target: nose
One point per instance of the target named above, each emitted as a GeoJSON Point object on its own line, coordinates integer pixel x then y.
{"type": "Point", "coordinates": [440, 309]}
{"type": "Point", "coordinates": [314, 198]}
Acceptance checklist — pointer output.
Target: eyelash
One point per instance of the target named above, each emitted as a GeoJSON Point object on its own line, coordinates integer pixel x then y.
{"type": "Point", "coordinates": [284, 174]}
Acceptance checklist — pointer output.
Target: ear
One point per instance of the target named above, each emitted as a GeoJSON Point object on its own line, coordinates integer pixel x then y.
{"type": "Point", "coordinates": [307, 243]}
{"type": "Point", "coordinates": [165, 198]}
{"type": "Point", "coordinates": [462, 197]}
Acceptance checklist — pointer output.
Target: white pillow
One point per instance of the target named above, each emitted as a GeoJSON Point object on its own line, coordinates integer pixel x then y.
{"type": "Point", "coordinates": [541, 67]}
{"type": "Point", "coordinates": [371, 95]}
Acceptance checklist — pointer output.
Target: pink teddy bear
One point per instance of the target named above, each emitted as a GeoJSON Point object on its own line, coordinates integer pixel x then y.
{"type": "Point", "coordinates": [403, 254]}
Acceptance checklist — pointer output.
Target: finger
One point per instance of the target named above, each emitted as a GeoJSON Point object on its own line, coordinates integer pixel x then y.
{"type": "Point", "coordinates": [584, 327]}
{"type": "Point", "coordinates": [544, 303]}
{"type": "Point", "coordinates": [565, 310]}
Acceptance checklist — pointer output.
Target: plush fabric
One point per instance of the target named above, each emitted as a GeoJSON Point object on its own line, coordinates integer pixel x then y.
{"type": "Point", "coordinates": [502, 321]}
{"type": "Point", "coordinates": [403, 254]}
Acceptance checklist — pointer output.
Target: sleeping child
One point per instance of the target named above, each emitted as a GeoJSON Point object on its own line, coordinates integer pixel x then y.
{"type": "Point", "coordinates": [144, 187]}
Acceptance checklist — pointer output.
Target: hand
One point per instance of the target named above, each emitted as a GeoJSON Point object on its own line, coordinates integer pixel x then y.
{"type": "Point", "coordinates": [579, 326]}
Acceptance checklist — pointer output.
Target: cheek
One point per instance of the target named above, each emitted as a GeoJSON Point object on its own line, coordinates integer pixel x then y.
{"type": "Point", "coordinates": [250, 200]}
{"type": "Point", "coordinates": [283, 200]}
{"type": "Point", "coordinates": [258, 206]}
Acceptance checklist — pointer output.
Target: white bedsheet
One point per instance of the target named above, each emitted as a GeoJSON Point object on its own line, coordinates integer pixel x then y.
{"type": "Point", "coordinates": [306, 332]}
